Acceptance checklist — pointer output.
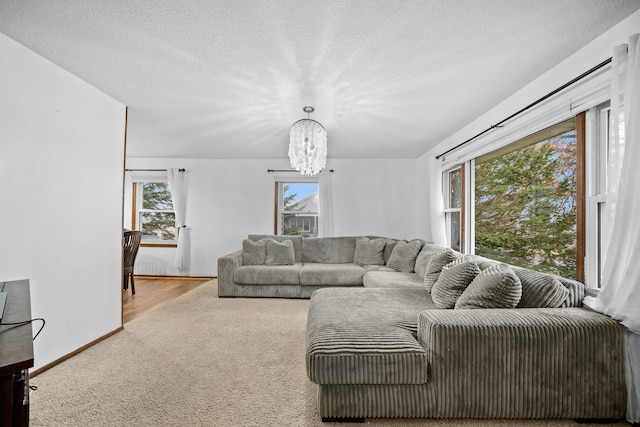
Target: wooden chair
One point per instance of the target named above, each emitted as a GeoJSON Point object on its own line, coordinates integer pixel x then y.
{"type": "Point", "coordinates": [131, 244]}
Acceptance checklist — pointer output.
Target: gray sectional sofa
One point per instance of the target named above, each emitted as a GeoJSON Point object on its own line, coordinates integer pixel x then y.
{"type": "Point", "coordinates": [315, 263]}
{"type": "Point", "coordinates": [432, 333]}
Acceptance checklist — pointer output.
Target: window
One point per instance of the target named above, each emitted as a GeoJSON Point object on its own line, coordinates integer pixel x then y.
{"type": "Point", "coordinates": [297, 208]}
{"type": "Point", "coordinates": [154, 214]}
{"type": "Point", "coordinates": [453, 207]}
{"type": "Point", "coordinates": [599, 154]}
{"type": "Point", "coordinates": [523, 201]}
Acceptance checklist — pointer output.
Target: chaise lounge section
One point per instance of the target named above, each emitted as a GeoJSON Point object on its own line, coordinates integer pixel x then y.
{"type": "Point", "coordinates": [391, 353]}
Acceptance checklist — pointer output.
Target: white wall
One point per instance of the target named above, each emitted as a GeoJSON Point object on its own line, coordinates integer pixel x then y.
{"type": "Point", "coordinates": [228, 199]}
{"type": "Point", "coordinates": [61, 159]}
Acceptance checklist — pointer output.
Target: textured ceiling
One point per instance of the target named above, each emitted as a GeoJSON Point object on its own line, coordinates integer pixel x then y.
{"type": "Point", "coordinates": [226, 79]}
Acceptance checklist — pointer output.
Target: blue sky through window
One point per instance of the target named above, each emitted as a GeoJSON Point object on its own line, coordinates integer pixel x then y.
{"type": "Point", "coordinates": [302, 189]}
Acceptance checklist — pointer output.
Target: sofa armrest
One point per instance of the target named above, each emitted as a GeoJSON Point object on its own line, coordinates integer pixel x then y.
{"type": "Point", "coordinates": [227, 266]}
{"type": "Point", "coordinates": [525, 358]}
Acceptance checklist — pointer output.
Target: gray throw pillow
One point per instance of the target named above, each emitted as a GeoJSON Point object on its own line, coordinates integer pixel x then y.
{"type": "Point", "coordinates": [428, 250]}
{"type": "Point", "coordinates": [435, 264]}
{"type": "Point", "coordinates": [388, 248]}
{"type": "Point", "coordinates": [369, 251]}
{"type": "Point", "coordinates": [540, 289]}
{"type": "Point", "coordinates": [280, 253]}
{"type": "Point", "coordinates": [403, 257]}
{"type": "Point", "coordinates": [254, 253]}
{"type": "Point", "coordinates": [496, 287]}
{"type": "Point", "coordinates": [454, 278]}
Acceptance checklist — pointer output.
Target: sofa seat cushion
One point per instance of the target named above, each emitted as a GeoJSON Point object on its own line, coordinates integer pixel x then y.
{"type": "Point", "coordinates": [378, 268]}
{"type": "Point", "coordinates": [313, 274]}
{"type": "Point", "coordinates": [366, 336]}
{"type": "Point", "coordinates": [268, 274]}
{"type": "Point", "coordinates": [392, 279]}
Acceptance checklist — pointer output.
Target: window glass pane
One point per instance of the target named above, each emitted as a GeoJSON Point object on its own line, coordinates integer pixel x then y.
{"type": "Point", "coordinates": [600, 237]}
{"type": "Point", "coordinates": [300, 208]}
{"type": "Point", "coordinates": [455, 188]}
{"type": "Point", "coordinates": [525, 205]}
{"type": "Point", "coordinates": [156, 196]}
{"type": "Point", "coordinates": [158, 225]}
{"type": "Point", "coordinates": [454, 230]}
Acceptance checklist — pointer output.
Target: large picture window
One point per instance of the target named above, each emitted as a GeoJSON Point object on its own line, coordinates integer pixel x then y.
{"type": "Point", "coordinates": [525, 202]}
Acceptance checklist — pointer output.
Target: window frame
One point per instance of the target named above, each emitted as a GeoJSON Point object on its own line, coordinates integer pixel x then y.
{"type": "Point", "coordinates": [136, 199]}
{"type": "Point", "coordinates": [449, 211]}
{"type": "Point", "coordinates": [598, 134]}
{"type": "Point", "coordinates": [280, 182]}
{"type": "Point", "coordinates": [467, 240]}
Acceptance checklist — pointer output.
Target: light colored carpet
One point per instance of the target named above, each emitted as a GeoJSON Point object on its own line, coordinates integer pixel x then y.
{"type": "Point", "coordinates": [200, 361]}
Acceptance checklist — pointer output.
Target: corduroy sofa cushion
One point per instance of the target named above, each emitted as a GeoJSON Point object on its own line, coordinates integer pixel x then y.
{"type": "Point", "coordinates": [297, 242]}
{"type": "Point", "coordinates": [254, 253]}
{"type": "Point", "coordinates": [436, 262]}
{"type": "Point", "coordinates": [268, 274]}
{"type": "Point", "coordinates": [369, 251]}
{"type": "Point", "coordinates": [404, 254]}
{"type": "Point", "coordinates": [391, 279]}
{"type": "Point", "coordinates": [422, 261]}
{"type": "Point", "coordinates": [366, 336]}
{"type": "Point", "coordinates": [540, 290]}
{"type": "Point", "coordinates": [331, 274]}
{"type": "Point", "coordinates": [328, 250]}
{"type": "Point", "coordinates": [279, 253]}
{"type": "Point", "coordinates": [496, 287]}
{"type": "Point", "coordinates": [453, 281]}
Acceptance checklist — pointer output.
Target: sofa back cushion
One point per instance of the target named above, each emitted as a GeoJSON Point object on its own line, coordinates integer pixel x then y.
{"type": "Point", "coordinates": [454, 279]}
{"type": "Point", "coordinates": [403, 257]}
{"type": "Point", "coordinates": [436, 262]}
{"type": "Point", "coordinates": [576, 292]}
{"type": "Point", "coordinates": [540, 290]}
{"type": "Point", "coordinates": [279, 253]}
{"type": "Point", "coordinates": [254, 253]}
{"type": "Point", "coordinates": [388, 248]}
{"type": "Point", "coordinates": [297, 242]}
{"type": "Point", "coordinates": [496, 287]}
{"type": "Point", "coordinates": [428, 250]}
{"type": "Point", "coordinates": [328, 250]}
{"type": "Point", "coordinates": [369, 251]}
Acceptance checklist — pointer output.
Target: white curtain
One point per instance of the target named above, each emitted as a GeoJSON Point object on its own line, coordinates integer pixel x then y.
{"type": "Point", "coordinates": [620, 296]}
{"type": "Point", "coordinates": [436, 204]}
{"type": "Point", "coordinates": [325, 187]}
{"type": "Point", "coordinates": [179, 195]}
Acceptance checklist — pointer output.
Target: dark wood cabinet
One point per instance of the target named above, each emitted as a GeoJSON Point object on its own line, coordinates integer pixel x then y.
{"type": "Point", "coordinates": [16, 355]}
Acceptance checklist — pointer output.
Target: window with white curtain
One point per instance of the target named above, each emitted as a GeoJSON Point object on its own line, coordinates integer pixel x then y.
{"type": "Point", "coordinates": [297, 208]}
{"type": "Point", "coordinates": [154, 214]}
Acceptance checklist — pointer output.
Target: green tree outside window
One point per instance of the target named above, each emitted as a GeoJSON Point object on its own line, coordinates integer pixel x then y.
{"type": "Point", "coordinates": [525, 206]}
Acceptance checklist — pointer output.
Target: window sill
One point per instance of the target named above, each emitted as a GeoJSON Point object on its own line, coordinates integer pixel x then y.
{"type": "Point", "coordinates": [159, 245]}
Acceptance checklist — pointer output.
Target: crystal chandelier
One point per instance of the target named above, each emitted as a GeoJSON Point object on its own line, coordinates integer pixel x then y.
{"type": "Point", "coordinates": [308, 145]}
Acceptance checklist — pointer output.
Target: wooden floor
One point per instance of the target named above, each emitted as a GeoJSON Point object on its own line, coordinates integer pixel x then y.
{"type": "Point", "coordinates": [152, 292]}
